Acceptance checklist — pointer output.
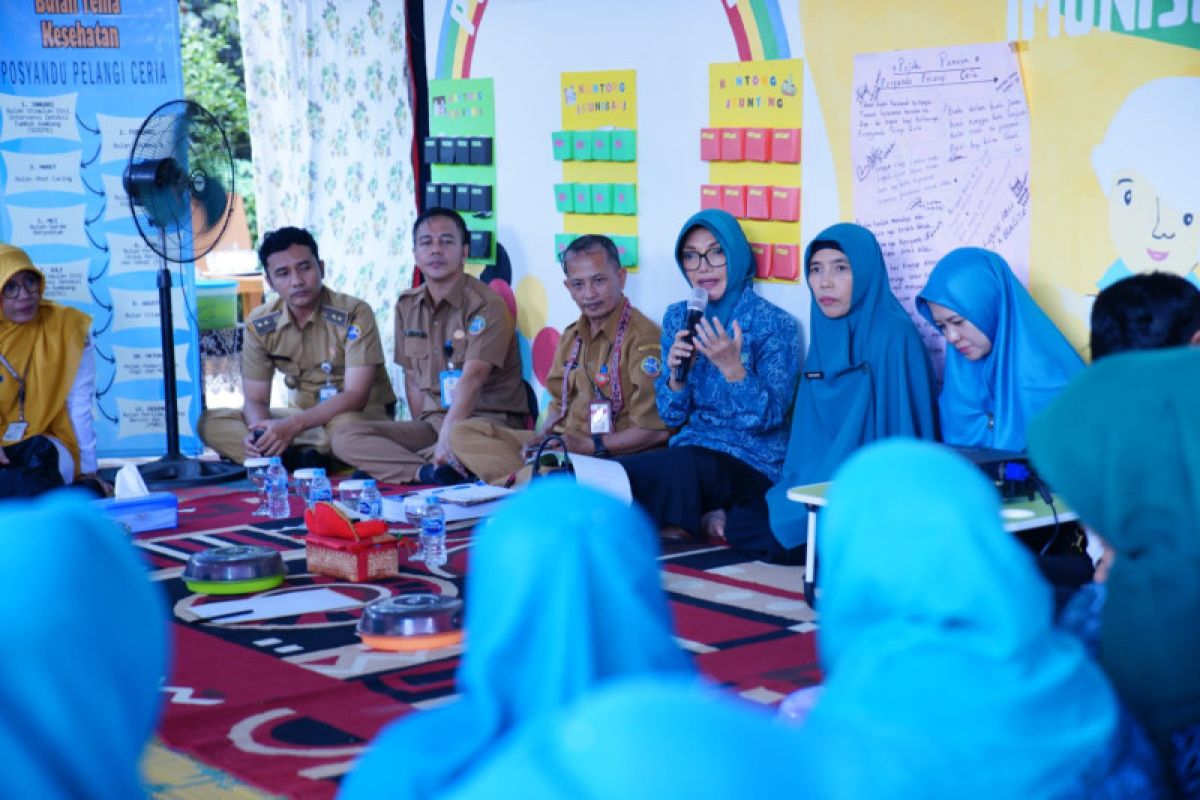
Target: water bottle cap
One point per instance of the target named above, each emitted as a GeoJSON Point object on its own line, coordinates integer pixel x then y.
{"type": "Point", "coordinates": [276, 460]}
{"type": "Point", "coordinates": [368, 483]}
{"type": "Point", "coordinates": [318, 472]}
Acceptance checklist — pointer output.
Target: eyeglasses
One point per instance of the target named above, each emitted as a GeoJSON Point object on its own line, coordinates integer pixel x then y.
{"type": "Point", "coordinates": [715, 256]}
{"type": "Point", "coordinates": [28, 281]}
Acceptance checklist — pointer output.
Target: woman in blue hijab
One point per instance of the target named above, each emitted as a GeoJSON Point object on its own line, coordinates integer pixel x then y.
{"type": "Point", "coordinates": [1007, 360]}
{"type": "Point", "coordinates": [85, 649]}
{"type": "Point", "coordinates": [564, 596]}
{"type": "Point", "coordinates": [730, 411]}
{"type": "Point", "coordinates": [868, 375]}
{"type": "Point", "coordinates": [944, 673]}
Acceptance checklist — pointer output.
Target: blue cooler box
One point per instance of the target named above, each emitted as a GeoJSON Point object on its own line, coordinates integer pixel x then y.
{"type": "Point", "coordinates": [151, 512]}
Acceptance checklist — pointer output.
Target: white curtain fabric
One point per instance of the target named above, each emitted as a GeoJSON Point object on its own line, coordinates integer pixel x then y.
{"type": "Point", "coordinates": [331, 123]}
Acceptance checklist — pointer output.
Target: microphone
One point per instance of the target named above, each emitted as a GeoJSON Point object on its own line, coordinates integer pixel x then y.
{"type": "Point", "coordinates": [695, 312]}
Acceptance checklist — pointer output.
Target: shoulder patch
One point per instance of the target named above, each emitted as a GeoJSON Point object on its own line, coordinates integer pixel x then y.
{"type": "Point", "coordinates": [267, 323]}
{"type": "Point", "coordinates": [477, 324]}
{"type": "Point", "coordinates": [651, 366]}
{"type": "Point", "coordinates": [334, 315]}
{"type": "Point", "coordinates": [353, 333]}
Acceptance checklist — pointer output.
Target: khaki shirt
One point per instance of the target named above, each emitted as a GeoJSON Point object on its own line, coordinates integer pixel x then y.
{"type": "Point", "coordinates": [476, 324]}
{"type": "Point", "coordinates": [342, 333]}
{"type": "Point", "coordinates": [641, 363]}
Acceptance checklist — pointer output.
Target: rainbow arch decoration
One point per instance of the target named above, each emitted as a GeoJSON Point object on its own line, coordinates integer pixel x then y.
{"type": "Point", "coordinates": [757, 27]}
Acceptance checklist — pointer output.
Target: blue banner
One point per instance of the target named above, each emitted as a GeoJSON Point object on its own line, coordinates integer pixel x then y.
{"type": "Point", "coordinates": [77, 79]}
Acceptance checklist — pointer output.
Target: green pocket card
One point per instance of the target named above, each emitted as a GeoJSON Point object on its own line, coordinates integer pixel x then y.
{"type": "Point", "coordinates": [624, 198]}
{"type": "Point", "coordinates": [564, 197]}
{"type": "Point", "coordinates": [562, 141]}
{"type": "Point", "coordinates": [581, 145]}
{"type": "Point", "coordinates": [624, 145]}
{"type": "Point", "coordinates": [602, 198]}
{"type": "Point", "coordinates": [627, 249]}
{"type": "Point", "coordinates": [583, 198]}
{"type": "Point", "coordinates": [601, 145]}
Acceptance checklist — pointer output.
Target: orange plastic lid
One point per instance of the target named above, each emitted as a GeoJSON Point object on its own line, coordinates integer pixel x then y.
{"type": "Point", "coordinates": [407, 644]}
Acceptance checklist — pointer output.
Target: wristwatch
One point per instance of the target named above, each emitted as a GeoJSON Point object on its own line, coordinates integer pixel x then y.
{"type": "Point", "coordinates": [598, 448]}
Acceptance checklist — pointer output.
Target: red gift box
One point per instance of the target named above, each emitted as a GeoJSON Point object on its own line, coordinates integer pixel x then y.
{"type": "Point", "coordinates": [733, 200]}
{"type": "Point", "coordinates": [785, 203]}
{"type": "Point", "coordinates": [758, 144]}
{"type": "Point", "coordinates": [733, 144]}
{"type": "Point", "coordinates": [762, 259]}
{"type": "Point", "coordinates": [785, 262]}
{"type": "Point", "coordinates": [710, 197]}
{"type": "Point", "coordinates": [785, 145]}
{"type": "Point", "coordinates": [710, 144]}
{"type": "Point", "coordinates": [354, 560]}
{"type": "Point", "coordinates": [758, 202]}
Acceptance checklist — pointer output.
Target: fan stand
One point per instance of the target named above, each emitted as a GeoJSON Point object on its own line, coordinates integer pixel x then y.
{"type": "Point", "coordinates": [175, 470]}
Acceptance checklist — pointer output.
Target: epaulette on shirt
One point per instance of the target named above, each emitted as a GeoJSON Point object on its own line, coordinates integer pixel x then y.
{"type": "Point", "coordinates": [334, 315]}
{"type": "Point", "coordinates": [266, 323]}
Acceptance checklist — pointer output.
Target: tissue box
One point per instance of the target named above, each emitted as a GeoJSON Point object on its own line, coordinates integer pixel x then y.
{"type": "Point", "coordinates": [152, 512]}
{"type": "Point", "coordinates": [354, 560]}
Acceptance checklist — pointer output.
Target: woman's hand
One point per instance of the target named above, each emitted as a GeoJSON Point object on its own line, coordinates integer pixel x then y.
{"type": "Point", "coordinates": [681, 350]}
{"type": "Point", "coordinates": [724, 352]}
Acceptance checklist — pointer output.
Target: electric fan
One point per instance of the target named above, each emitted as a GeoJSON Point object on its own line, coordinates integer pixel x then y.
{"type": "Point", "coordinates": [179, 180]}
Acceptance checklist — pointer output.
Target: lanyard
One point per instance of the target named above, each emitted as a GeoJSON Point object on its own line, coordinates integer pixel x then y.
{"type": "Point", "coordinates": [20, 386]}
{"type": "Point", "coordinates": [618, 399]}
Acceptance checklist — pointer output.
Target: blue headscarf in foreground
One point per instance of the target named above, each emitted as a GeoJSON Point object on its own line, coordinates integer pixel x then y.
{"type": "Point", "coordinates": [648, 737]}
{"type": "Point", "coordinates": [867, 376]}
{"type": "Point", "coordinates": [85, 648]}
{"type": "Point", "coordinates": [945, 674]}
{"type": "Point", "coordinates": [564, 595]}
{"type": "Point", "coordinates": [739, 264]}
{"type": "Point", "coordinates": [1028, 366]}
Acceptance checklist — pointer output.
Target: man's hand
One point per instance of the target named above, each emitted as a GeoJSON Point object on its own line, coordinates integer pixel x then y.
{"type": "Point", "coordinates": [443, 454]}
{"type": "Point", "coordinates": [4, 462]}
{"type": "Point", "coordinates": [277, 436]}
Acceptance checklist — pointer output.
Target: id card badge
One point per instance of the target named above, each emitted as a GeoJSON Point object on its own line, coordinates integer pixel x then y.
{"type": "Point", "coordinates": [327, 392]}
{"type": "Point", "coordinates": [15, 431]}
{"type": "Point", "coordinates": [449, 380]}
{"type": "Point", "coordinates": [601, 417]}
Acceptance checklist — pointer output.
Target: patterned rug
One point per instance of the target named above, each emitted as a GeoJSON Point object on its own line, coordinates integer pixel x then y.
{"type": "Point", "coordinates": [287, 704]}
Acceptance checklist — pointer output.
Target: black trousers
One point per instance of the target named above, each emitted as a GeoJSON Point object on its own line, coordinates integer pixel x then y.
{"type": "Point", "coordinates": [678, 485]}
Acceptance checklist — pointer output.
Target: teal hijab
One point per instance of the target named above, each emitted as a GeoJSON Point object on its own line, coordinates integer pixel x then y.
{"type": "Point", "coordinates": [85, 648]}
{"type": "Point", "coordinates": [945, 674]}
{"type": "Point", "coordinates": [646, 738]}
{"type": "Point", "coordinates": [1122, 446]}
{"type": "Point", "coordinates": [564, 595]}
{"type": "Point", "coordinates": [989, 403]}
{"type": "Point", "coordinates": [867, 376]}
{"type": "Point", "coordinates": [739, 265]}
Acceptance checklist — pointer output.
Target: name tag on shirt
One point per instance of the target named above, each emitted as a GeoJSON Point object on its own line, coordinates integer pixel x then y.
{"type": "Point", "coordinates": [15, 431]}
{"type": "Point", "coordinates": [449, 379]}
{"type": "Point", "coordinates": [327, 392]}
{"type": "Point", "coordinates": [601, 417]}
{"type": "Point", "coordinates": [814, 376]}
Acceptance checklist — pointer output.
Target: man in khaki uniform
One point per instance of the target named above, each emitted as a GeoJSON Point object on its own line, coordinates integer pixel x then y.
{"type": "Point", "coordinates": [327, 347]}
{"type": "Point", "coordinates": [457, 345]}
{"type": "Point", "coordinates": [602, 381]}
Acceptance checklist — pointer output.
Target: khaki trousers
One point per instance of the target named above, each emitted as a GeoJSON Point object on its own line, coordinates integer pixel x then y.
{"type": "Point", "coordinates": [224, 430]}
{"type": "Point", "coordinates": [490, 450]}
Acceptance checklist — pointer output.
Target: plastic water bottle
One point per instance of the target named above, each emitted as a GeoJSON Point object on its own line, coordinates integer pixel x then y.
{"type": "Point", "coordinates": [370, 502]}
{"type": "Point", "coordinates": [433, 533]}
{"type": "Point", "coordinates": [319, 489]}
{"type": "Point", "coordinates": [277, 490]}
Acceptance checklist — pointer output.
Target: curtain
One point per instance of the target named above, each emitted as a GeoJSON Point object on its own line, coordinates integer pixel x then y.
{"type": "Point", "coordinates": [331, 123]}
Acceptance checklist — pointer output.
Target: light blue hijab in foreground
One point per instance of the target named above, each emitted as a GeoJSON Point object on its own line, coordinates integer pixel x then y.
{"type": "Point", "coordinates": [1030, 361]}
{"type": "Point", "coordinates": [945, 675]}
{"type": "Point", "coordinates": [84, 650]}
{"type": "Point", "coordinates": [564, 594]}
{"type": "Point", "coordinates": [646, 738]}
{"type": "Point", "coordinates": [867, 377]}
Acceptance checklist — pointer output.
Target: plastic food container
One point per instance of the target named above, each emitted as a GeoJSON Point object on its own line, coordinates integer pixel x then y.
{"type": "Point", "coordinates": [404, 622]}
{"type": "Point", "coordinates": [237, 569]}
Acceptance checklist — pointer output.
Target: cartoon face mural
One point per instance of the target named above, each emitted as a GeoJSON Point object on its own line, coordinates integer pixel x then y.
{"type": "Point", "coordinates": [1149, 167]}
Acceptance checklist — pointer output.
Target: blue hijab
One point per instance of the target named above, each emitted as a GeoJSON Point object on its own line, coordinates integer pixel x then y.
{"type": "Point", "coordinates": [564, 595]}
{"type": "Point", "coordinates": [1028, 366]}
{"type": "Point", "coordinates": [867, 376]}
{"type": "Point", "coordinates": [648, 737]}
{"type": "Point", "coordinates": [739, 264]}
{"type": "Point", "coordinates": [85, 648]}
{"type": "Point", "coordinates": [945, 673]}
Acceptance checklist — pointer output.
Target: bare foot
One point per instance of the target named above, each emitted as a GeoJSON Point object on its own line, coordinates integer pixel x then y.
{"type": "Point", "coordinates": [712, 525]}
